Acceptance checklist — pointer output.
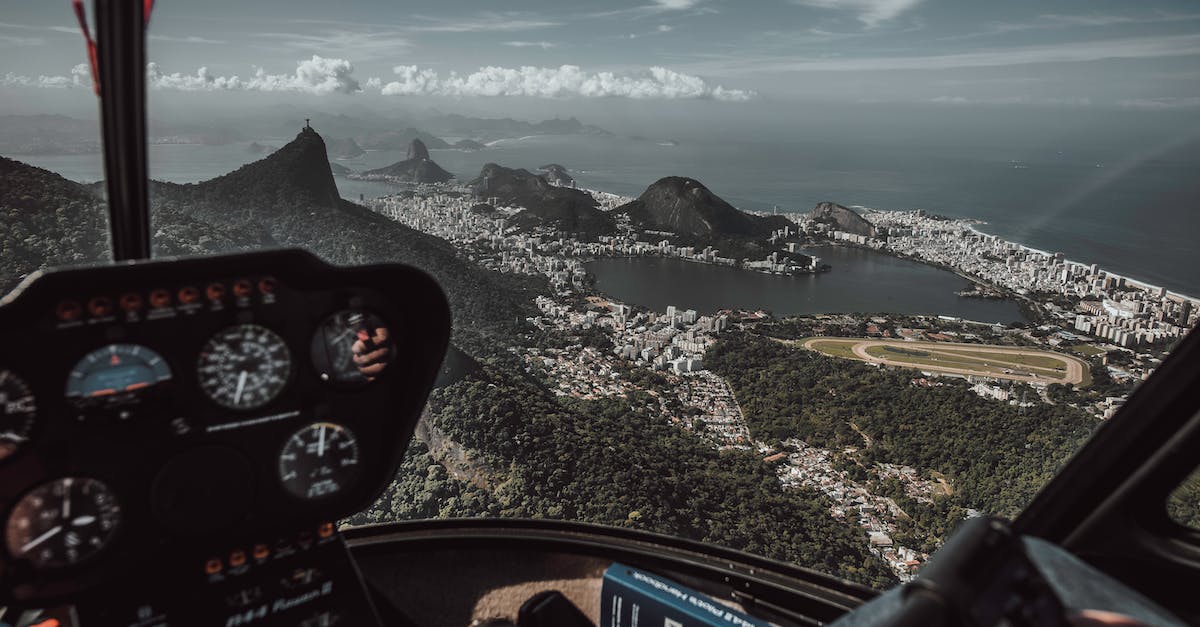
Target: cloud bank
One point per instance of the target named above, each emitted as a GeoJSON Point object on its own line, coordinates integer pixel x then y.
{"type": "Point", "coordinates": [566, 81]}
{"type": "Point", "coordinates": [318, 75]}
{"type": "Point", "coordinates": [324, 76]}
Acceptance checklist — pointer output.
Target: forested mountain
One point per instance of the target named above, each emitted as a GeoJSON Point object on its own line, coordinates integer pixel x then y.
{"type": "Point", "coordinates": [609, 461]}
{"type": "Point", "coordinates": [842, 219]}
{"type": "Point", "coordinates": [546, 205]}
{"type": "Point", "coordinates": [48, 221]}
{"type": "Point", "coordinates": [995, 455]}
{"type": "Point", "coordinates": [417, 167]}
{"type": "Point", "coordinates": [686, 207]}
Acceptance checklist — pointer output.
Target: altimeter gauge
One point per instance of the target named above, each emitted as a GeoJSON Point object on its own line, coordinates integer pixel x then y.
{"type": "Point", "coordinates": [18, 413]}
{"type": "Point", "coordinates": [62, 522]}
{"type": "Point", "coordinates": [244, 366]}
{"type": "Point", "coordinates": [318, 461]}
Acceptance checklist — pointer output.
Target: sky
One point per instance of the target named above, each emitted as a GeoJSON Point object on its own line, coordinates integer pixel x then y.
{"type": "Point", "coordinates": [539, 55]}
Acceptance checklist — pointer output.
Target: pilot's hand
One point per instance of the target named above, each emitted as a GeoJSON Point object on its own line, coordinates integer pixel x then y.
{"type": "Point", "coordinates": [371, 352]}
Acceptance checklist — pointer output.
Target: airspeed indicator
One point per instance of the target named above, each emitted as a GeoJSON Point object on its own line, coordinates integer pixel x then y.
{"type": "Point", "coordinates": [244, 366]}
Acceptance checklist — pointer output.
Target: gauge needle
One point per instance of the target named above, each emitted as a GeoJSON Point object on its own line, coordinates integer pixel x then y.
{"type": "Point", "coordinates": [237, 395]}
{"type": "Point", "coordinates": [83, 520]}
{"type": "Point", "coordinates": [321, 442]}
{"type": "Point", "coordinates": [66, 510]}
{"type": "Point", "coordinates": [40, 539]}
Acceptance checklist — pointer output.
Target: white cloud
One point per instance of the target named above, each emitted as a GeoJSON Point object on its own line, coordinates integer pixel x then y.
{"type": "Point", "coordinates": [676, 5]}
{"type": "Point", "coordinates": [869, 12]}
{"type": "Point", "coordinates": [317, 75]}
{"type": "Point", "coordinates": [544, 45]}
{"type": "Point", "coordinates": [81, 76]}
{"type": "Point", "coordinates": [665, 28]}
{"type": "Point", "coordinates": [561, 82]}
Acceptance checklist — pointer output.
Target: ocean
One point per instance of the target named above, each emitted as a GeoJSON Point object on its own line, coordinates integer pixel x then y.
{"type": "Point", "coordinates": [1134, 214]}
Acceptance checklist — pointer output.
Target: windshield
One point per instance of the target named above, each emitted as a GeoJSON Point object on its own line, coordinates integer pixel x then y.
{"type": "Point", "coordinates": [817, 280]}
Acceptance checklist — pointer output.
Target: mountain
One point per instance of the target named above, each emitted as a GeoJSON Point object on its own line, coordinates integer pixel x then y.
{"type": "Point", "coordinates": [339, 169]}
{"type": "Point", "coordinates": [417, 168]}
{"type": "Point", "coordinates": [559, 208]}
{"type": "Point", "coordinates": [842, 219]}
{"type": "Point", "coordinates": [345, 148]}
{"type": "Point", "coordinates": [468, 144]}
{"type": "Point", "coordinates": [395, 140]}
{"type": "Point", "coordinates": [557, 175]}
{"type": "Point", "coordinates": [686, 207]}
{"type": "Point", "coordinates": [288, 199]}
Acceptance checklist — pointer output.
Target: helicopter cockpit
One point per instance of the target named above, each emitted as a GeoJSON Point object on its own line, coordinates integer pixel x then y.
{"type": "Point", "coordinates": [190, 434]}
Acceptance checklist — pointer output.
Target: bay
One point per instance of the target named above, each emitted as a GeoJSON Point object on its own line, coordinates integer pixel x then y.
{"type": "Point", "coordinates": [861, 281]}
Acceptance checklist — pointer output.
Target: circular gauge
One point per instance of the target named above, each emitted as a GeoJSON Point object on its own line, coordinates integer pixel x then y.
{"type": "Point", "coordinates": [244, 367]}
{"type": "Point", "coordinates": [352, 347]}
{"type": "Point", "coordinates": [318, 460]}
{"type": "Point", "coordinates": [62, 522]}
{"type": "Point", "coordinates": [18, 412]}
{"type": "Point", "coordinates": [115, 373]}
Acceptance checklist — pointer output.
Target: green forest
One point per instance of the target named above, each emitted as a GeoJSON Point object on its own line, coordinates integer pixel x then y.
{"type": "Point", "coordinates": [608, 461]}
{"type": "Point", "coordinates": [995, 455]}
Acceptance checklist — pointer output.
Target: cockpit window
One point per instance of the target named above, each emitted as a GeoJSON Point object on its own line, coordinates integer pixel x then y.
{"type": "Point", "coordinates": [816, 281]}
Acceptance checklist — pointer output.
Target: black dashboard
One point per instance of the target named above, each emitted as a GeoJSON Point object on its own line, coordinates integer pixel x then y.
{"type": "Point", "coordinates": [186, 424]}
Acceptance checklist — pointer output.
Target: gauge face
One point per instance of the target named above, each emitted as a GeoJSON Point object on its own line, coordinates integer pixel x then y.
{"type": "Point", "coordinates": [318, 461]}
{"type": "Point", "coordinates": [18, 412]}
{"type": "Point", "coordinates": [352, 347]}
{"type": "Point", "coordinates": [116, 372]}
{"type": "Point", "coordinates": [244, 367]}
{"type": "Point", "coordinates": [62, 522]}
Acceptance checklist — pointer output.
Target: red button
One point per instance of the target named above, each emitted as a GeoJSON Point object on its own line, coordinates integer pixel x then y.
{"type": "Point", "coordinates": [131, 302]}
{"type": "Point", "coordinates": [100, 306]}
{"type": "Point", "coordinates": [160, 298]}
{"type": "Point", "coordinates": [68, 310]}
{"type": "Point", "coordinates": [242, 288]}
{"type": "Point", "coordinates": [215, 291]}
{"type": "Point", "coordinates": [266, 285]}
{"type": "Point", "coordinates": [188, 295]}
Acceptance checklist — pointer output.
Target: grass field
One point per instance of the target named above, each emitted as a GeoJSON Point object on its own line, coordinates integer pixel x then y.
{"type": "Point", "coordinates": [1087, 350]}
{"type": "Point", "coordinates": [1028, 365]}
{"type": "Point", "coordinates": [1036, 361]}
{"type": "Point", "coordinates": [834, 348]}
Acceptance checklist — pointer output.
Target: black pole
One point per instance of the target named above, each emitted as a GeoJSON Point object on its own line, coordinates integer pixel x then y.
{"type": "Point", "coordinates": [121, 66]}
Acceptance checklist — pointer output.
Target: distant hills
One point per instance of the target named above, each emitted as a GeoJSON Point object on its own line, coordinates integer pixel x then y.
{"type": "Point", "coordinates": [416, 168]}
{"type": "Point", "coordinates": [399, 140]}
{"type": "Point", "coordinates": [496, 128]}
{"type": "Point", "coordinates": [546, 205]}
{"type": "Point", "coordinates": [344, 148]}
{"type": "Point", "coordinates": [557, 175]}
{"type": "Point", "coordinates": [687, 208]}
{"type": "Point", "coordinates": [842, 219]}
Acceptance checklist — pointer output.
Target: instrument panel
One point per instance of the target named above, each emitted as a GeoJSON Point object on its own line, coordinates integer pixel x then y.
{"type": "Point", "coordinates": [196, 409]}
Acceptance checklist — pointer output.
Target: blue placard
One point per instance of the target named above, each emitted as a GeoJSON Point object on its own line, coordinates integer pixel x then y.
{"type": "Point", "coordinates": [636, 598]}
